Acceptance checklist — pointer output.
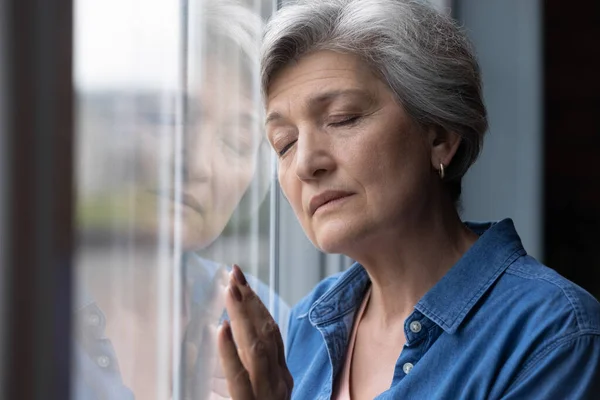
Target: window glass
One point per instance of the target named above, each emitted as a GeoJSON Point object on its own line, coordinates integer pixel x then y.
{"type": "Point", "coordinates": [173, 175]}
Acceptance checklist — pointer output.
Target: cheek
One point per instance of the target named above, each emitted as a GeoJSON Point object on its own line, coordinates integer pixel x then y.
{"type": "Point", "coordinates": [231, 182]}
{"type": "Point", "coordinates": [147, 158]}
{"type": "Point", "coordinates": [396, 152]}
{"type": "Point", "coordinates": [387, 162]}
{"type": "Point", "coordinates": [291, 187]}
{"type": "Point", "coordinates": [401, 176]}
{"type": "Point", "coordinates": [292, 190]}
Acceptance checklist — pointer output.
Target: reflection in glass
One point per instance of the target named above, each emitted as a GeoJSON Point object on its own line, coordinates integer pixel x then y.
{"type": "Point", "coordinates": [172, 172]}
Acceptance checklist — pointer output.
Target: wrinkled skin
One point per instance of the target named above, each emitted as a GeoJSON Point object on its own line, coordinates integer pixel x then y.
{"type": "Point", "coordinates": [254, 363]}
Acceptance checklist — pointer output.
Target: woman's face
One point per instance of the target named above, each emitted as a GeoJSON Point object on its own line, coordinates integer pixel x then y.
{"type": "Point", "coordinates": [340, 135]}
{"type": "Point", "coordinates": [217, 161]}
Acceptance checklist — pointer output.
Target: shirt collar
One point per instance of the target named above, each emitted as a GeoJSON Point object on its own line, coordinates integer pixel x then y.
{"type": "Point", "coordinates": [344, 296]}
{"type": "Point", "coordinates": [451, 299]}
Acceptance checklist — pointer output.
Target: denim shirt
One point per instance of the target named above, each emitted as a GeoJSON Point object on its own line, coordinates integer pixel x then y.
{"type": "Point", "coordinates": [95, 371]}
{"type": "Point", "coordinates": [498, 325]}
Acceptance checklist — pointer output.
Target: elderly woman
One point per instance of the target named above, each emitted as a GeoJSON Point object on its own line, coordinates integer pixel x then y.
{"type": "Point", "coordinates": [375, 111]}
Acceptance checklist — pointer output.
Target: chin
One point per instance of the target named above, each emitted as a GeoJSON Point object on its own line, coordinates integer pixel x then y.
{"type": "Point", "coordinates": [194, 237]}
{"type": "Point", "coordinates": [336, 237]}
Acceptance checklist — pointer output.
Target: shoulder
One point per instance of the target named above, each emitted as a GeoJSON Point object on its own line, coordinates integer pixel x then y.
{"type": "Point", "coordinates": [553, 298]}
{"type": "Point", "coordinates": [543, 320]}
{"type": "Point", "coordinates": [558, 324]}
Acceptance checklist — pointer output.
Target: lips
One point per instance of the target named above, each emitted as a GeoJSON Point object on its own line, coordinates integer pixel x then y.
{"type": "Point", "coordinates": [325, 197]}
{"type": "Point", "coordinates": [184, 198]}
{"type": "Point", "coordinates": [190, 201]}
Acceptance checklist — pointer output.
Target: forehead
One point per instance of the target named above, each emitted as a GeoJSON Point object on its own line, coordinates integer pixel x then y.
{"type": "Point", "coordinates": [319, 73]}
{"type": "Point", "coordinates": [218, 78]}
{"type": "Point", "coordinates": [222, 92]}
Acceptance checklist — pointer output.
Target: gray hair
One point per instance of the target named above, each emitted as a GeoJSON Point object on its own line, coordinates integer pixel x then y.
{"type": "Point", "coordinates": [229, 31]}
{"type": "Point", "coordinates": [422, 54]}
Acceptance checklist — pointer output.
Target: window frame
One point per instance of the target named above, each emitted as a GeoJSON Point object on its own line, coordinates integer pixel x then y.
{"type": "Point", "coordinates": [37, 191]}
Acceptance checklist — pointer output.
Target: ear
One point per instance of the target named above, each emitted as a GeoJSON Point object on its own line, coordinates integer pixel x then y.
{"type": "Point", "coordinates": [444, 145]}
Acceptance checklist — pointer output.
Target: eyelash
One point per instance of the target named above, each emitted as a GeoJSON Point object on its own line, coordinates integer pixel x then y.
{"type": "Point", "coordinates": [286, 148]}
{"type": "Point", "coordinates": [347, 122]}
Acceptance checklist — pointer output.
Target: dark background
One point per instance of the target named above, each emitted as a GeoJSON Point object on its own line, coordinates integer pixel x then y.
{"type": "Point", "coordinates": [572, 140]}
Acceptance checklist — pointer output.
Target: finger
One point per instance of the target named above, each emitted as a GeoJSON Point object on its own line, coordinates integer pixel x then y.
{"type": "Point", "coordinates": [205, 363]}
{"type": "Point", "coordinates": [238, 379]}
{"type": "Point", "coordinates": [263, 320]}
{"type": "Point", "coordinates": [210, 310]}
{"type": "Point", "coordinates": [215, 300]}
{"type": "Point", "coordinates": [199, 360]}
{"type": "Point", "coordinates": [255, 332]}
{"type": "Point", "coordinates": [271, 333]}
{"type": "Point", "coordinates": [199, 344]}
{"type": "Point", "coordinates": [285, 372]}
{"type": "Point", "coordinates": [218, 382]}
{"type": "Point", "coordinates": [250, 321]}
{"type": "Point", "coordinates": [280, 378]}
{"type": "Point", "coordinates": [275, 334]}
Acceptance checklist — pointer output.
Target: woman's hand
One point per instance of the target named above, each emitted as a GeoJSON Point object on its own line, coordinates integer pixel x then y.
{"type": "Point", "coordinates": [201, 372]}
{"type": "Point", "coordinates": [254, 365]}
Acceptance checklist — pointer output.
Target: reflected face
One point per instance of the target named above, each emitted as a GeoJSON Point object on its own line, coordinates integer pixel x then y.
{"type": "Point", "coordinates": [352, 163]}
{"type": "Point", "coordinates": [217, 161]}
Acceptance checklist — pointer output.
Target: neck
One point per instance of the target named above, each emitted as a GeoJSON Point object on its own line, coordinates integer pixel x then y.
{"type": "Point", "coordinates": [404, 262]}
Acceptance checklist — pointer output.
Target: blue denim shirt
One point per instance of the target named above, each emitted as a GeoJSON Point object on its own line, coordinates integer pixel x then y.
{"type": "Point", "coordinates": [95, 366]}
{"type": "Point", "coordinates": [498, 325]}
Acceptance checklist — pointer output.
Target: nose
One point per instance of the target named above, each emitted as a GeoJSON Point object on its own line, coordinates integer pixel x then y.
{"type": "Point", "coordinates": [313, 156]}
{"type": "Point", "coordinates": [198, 154]}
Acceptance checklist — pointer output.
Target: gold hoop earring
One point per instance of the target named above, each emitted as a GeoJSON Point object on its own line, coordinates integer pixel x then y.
{"type": "Point", "coordinates": [442, 172]}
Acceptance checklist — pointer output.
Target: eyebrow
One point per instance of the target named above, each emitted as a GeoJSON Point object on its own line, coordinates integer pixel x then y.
{"type": "Point", "coordinates": [322, 98]}
{"type": "Point", "coordinates": [274, 116]}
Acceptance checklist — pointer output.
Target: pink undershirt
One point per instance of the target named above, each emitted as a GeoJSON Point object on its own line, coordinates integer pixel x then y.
{"type": "Point", "coordinates": [342, 388]}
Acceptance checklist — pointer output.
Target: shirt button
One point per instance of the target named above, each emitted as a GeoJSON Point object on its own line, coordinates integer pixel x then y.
{"type": "Point", "coordinates": [415, 326]}
{"type": "Point", "coordinates": [94, 320]}
{"type": "Point", "coordinates": [103, 361]}
{"type": "Point", "coordinates": [407, 368]}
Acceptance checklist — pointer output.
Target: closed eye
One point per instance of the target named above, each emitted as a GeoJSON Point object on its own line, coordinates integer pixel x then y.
{"type": "Point", "coordinates": [286, 148]}
{"type": "Point", "coordinates": [345, 121]}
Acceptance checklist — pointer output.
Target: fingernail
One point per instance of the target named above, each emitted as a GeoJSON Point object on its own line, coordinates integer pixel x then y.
{"type": "Point", "coordinates": [235, 292]}
{"type": "Point", "coordinates": [239, 275]}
